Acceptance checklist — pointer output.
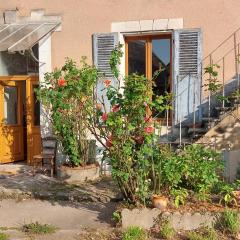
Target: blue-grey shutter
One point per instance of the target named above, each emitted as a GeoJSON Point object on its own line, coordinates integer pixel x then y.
{"type": "Point", "coordinates": [187, 74]}
{"type": "Point", "coordinates": [103, 44]}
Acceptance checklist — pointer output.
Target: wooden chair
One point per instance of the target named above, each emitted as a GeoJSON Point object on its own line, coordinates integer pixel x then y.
{"type": "Point", "coordinates": [49, 149]}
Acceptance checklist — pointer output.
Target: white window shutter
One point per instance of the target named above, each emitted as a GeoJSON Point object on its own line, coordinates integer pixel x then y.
{"type": "Point", "coordinates": [187, 74]}
{"type": "Point", "coordinates": [103, 45]}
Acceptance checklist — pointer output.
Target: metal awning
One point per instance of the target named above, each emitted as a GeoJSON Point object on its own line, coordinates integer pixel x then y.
{"type": "Point", "coordinates": [22, 36]}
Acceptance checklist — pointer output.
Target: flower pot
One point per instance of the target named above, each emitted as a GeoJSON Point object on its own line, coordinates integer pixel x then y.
{"type": "Point", "coordinates": [78, 174]}
{"type": "Point", "coordinates": [159, 202]}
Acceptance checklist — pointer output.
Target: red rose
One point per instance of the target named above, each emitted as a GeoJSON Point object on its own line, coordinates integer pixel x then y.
{"type": "Point", "coordinates": [149, 129]}
{"type": "Point", "coordinates": [104, 117]}
{"type": "Point", "coordinates": [107, 82]}
{"type": "Point", "coordinates": [62, 82]}
{"type": "Point", "coordinates": [115, 108]}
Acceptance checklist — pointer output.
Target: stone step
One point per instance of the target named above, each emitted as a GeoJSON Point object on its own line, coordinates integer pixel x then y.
{"type": "Point", "coordinates": [210, 119]}
{"type": "Point", "coordinates": [197, 130]}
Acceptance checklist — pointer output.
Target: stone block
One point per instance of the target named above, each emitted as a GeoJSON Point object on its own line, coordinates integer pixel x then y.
{"type": "Point", "coordinates": [144, 218]}
{"type": "Point", "coordinates": [132, 26]}
{"type": "Point", "coordinates": [175, 23]}
{"type": "Point", "coordinates": [160, 24]}
{"type": "Point", "coordinates": [146, 25]}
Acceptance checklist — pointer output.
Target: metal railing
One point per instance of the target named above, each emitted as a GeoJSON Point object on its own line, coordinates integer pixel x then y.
{"type": "Point", "coordinates": [228, 72]}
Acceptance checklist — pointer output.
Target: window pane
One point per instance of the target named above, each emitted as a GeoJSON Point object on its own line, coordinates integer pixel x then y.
{"type": "Point", "coordinates": [137, 57]}
{"type": "Point", "coordinates": [36, 107]}
{"type": "Point", "coordinates": [161, 62]}
{"type": "Point", "coordinates": [10, 105]}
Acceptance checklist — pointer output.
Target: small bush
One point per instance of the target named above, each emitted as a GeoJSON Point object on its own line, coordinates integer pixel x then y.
{"type": "Point", "coordinates": [3, 236]}
{"type": "Point", "coordinates": [228, 222]}
{"type": "Point", "coordinates": [166, 230]}
{"type": "Point", "coordinates": [134, 233]}
{"type": "Point", "coordinates": [37, 228]}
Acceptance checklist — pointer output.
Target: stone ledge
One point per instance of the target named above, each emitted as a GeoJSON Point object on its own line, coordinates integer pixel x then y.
{"type": "Point", "coordinates": [146, 218]}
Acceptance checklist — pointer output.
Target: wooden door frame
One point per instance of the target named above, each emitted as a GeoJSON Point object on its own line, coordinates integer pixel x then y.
{"type": "Point", "coordinates": [30, 112]}
{"type": "Point", "coordinates": [148, 57]}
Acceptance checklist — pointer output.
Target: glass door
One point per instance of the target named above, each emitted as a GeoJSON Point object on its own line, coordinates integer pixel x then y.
{"type": "Point", "coordinates": [11, 121]}
{"type": "Point", "coordinates": [148, 55]}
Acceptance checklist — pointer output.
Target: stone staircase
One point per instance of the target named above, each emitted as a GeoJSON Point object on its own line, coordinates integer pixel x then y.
{"type": "Point", "coordinates": [220, 118]}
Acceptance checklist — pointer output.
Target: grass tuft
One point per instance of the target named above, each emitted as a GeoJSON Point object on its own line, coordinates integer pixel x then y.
{"type": "Point", "coordinates": [166, 230]}
{"type": "Point", "coordinates": [3, 236]}
{"type": "Point", "coordinates": [204, 233]}
{"type": "Point", "coordinates": [228, 222]}
{"type": "Point", "coordinates": [134, 233]}
{"type": "Point", "coordinates": [37, 228]}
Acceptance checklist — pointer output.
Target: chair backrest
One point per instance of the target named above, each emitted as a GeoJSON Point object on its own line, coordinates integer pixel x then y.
{"type": "Point", "coordinates": [49, 145]}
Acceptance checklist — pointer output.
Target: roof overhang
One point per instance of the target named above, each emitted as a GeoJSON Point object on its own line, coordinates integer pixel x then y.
{"type": "Point", "coordinates": [23, 36]}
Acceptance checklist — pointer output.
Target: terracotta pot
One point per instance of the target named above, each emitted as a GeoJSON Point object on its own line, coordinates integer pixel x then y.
{"type": "Point", "coordinates": [159, 202]}
{"type": "Point", "coordinates": [236, 194]}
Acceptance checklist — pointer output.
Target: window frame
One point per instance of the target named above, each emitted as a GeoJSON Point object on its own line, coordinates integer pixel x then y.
{"type": "Point", "coordinates": [148, 59]}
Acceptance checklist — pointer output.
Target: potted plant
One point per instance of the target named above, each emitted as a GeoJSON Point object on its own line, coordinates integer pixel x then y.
{"type": "Point", "coordinates": [67, 94]}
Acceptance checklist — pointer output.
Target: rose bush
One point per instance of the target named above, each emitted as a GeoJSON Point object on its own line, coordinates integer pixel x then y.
{"type": "Point", "coordinates": [67, 93]}
{"type": "Point", "coordinates": [127, 131]}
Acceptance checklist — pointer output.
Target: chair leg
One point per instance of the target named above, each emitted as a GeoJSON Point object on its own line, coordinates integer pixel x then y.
{"type": "Point", "coordinates": [52, 165]}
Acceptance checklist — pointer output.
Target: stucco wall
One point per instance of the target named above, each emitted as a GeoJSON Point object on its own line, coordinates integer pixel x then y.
{"type": "Point", "coordinates": [217, 18]}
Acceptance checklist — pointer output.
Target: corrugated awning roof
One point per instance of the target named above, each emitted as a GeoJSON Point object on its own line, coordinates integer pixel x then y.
{"type": "Point", "coordinates": [22, 36]}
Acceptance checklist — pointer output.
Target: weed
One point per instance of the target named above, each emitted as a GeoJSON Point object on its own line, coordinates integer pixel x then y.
{"type": "Point", "coordinates": [180, 196]}
{"type": "Point", "coordinates": [134, 233]}
{"type": "Point", "coordinates": [204, 233]}
{"type": "Point", "coordinates": [166, 230]}
{"type": "Point", "coordinates": [3, 236]}
{"type": "Point", "coordinates": [228, 222]}
{"type": "Point", "coordinates": [116, 217]}
{"type": "Point", "coordinates": [195, 236]}
{"type": "Point", "coordinates": [37, 228]}
{"type": "Point", "coordinates": [227, 193]}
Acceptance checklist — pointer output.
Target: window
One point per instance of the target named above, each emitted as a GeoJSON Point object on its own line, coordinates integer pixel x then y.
{"type": "Point", "coordinates": [145, 55]}
{"type": "Point", "coordinates": [36, 107]}
{"type": "Point", "coordinates": [11, 105]}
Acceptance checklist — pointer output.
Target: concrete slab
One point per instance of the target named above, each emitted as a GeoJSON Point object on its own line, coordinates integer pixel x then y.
{"type": "Point", "coordinates": [62, 215]}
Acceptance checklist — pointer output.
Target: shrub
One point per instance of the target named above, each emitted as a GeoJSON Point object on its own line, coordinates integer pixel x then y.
{"type": "Point", "coordinates": [37, 228]}
{"type": "Point", "coordinates": [134, 233]}
{"type": "Point", "coordinates": [228, 222]}
{"type": "Point", "coordinates": [166, 230]}
{"type": "Point", "coordinates": [176, 171]}
{"type": "Point", "coordinates": [127, 132]}
{"type": "Point", "coordinates": [67, 94]}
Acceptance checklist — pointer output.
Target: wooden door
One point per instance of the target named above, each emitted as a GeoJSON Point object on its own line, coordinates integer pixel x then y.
{"type": "Point", "coordinates": [11, 121]}
{"type": "Point", "coordinates": [33, 119]}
